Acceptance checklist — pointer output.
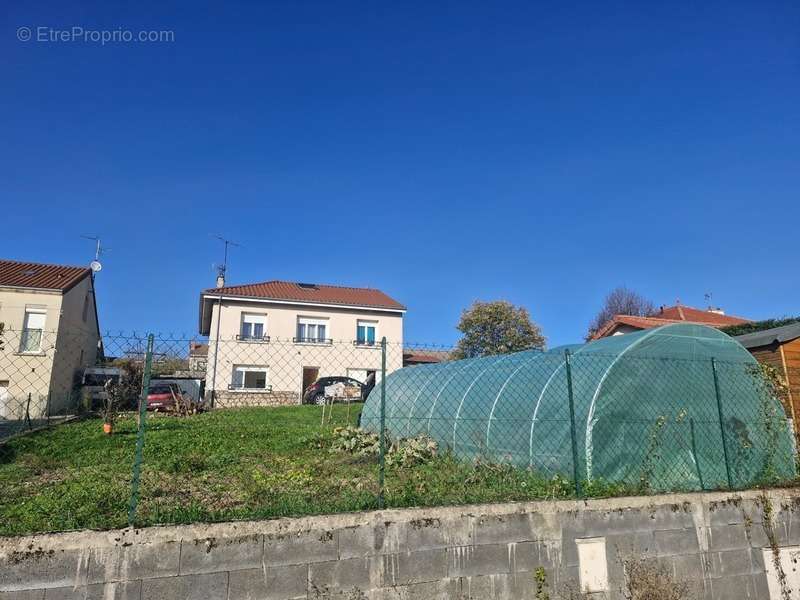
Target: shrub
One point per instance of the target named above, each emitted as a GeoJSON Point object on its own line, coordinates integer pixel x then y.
{"type": "Point", "coordinates": [404, 452]}
{"type": "Point", "coordinates": [647, 580]}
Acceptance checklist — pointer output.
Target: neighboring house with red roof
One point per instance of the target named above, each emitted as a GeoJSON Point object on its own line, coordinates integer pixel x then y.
{"type": "Point", "coordinates": [712, 317]}
{"type": "Point", "coordinates": [51, 334]}
{"type": "Point", "coordinates": [422, 356]}
{"type": "Point", "coordinates": [275, 338]}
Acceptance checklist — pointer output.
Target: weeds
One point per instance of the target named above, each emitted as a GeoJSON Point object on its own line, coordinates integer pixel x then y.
{"type": "Point", "coordinates": [540, 579]}
{"type": "Point", "coordinates": [647, 580]}
{"type": "Point", "coordinates": [652, 455]}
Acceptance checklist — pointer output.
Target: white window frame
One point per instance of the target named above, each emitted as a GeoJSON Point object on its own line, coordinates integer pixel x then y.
{"type": "Point", "coordinates": [32, 310]}
{"type": "Point", "coordinates": [244, 369]}
{"type": "Point", "coordinates": [367, 323]}
{"type": "Point", "coordinates": [253, 319]}
{"type": "Point", "coordinates": [315, 322]}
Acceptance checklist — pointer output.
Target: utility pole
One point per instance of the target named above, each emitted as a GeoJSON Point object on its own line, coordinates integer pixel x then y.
{"type": "Point", "coordinates": [221, 269]}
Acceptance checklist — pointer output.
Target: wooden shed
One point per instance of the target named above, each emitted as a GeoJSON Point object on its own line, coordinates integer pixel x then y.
{"type": "Point", "coordinates": [780, 347]}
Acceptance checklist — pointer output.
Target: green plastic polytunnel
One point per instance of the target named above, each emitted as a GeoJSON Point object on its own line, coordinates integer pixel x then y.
{"type": "Point", "coordinates": [679, 407]}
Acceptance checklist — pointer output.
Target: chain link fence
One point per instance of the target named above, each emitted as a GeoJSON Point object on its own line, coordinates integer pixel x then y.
{"type": "Point", "coordinates": [147, 429]}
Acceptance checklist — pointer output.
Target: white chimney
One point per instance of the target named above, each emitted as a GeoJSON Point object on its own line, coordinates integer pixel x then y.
{"type": "Point", "coordinates": [220, 280]}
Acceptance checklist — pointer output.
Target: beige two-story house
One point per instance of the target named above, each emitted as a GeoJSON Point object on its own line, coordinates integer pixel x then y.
{"type": "Point", "coordinates": [269, 341]}
{"type": "Point", "coordinates": [50, 335]}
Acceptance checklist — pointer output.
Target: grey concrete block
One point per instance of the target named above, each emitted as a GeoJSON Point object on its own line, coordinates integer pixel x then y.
{"type": "Point", "coordinates": [633, 543]}
{"type": "Point", "coordinates": [122, 590]}
{"type": "Point", "coordinates": [731, 562]}
{"type": "Point", "coordinates": [212, 555]}
{"type": "Point", "coordinates": [413, 567]}
{"type": "Point", "coordinates": [139, 561]}
{"type": "Point", "coordinates": [672, 516]}
{"type": "Point", "coordinates": [301, 547]}
{"type": "Point", "coordinates": [39, 569]}
{"type": "Point", "coordinates": [429, 534]}
{"type": "Point", "coordinates": [676, 541]}
{"type": "Point", "coordinates": [739, 587]}
{"type": "Point", "coordinates": [480, 560]}
{"type": "Point", "coordinates": [757, 536]}
{"type": "Point", "coordinates": [371, 539]}
{"type": "Point", "coordinates": [757, 560]}
{"type": "Point", "coordinates": [529, 556]}
{"type": "Point", "coordinates": [727, 537]}
{"type": "Point", "coordinates": [569, 549]}
{"type": "Point", "coordinates": [23, 595]}
{"type": "Point", "coordinates": [445, 589]}
{"type": "Point", "coordinates": [208, 586]}
{"type": "Point", "coordinates": [760, 585]}
{"type": "Point", "coordinates": [690, 566]}
{"type": "Point", "coordinates": [518, 527]}
{"type": "Point", "coordinates": [519, 586]}
{"type": "Point", "coordinates": [727, 513]}
{"type": "Point", "coordinates": [567, 576]}
{"type": "Point", "coordinates": [604, 523]}
{"type": "Point", "coordinates": [269, 584]}
{"type": "Point", "coordinates": [342, 575]}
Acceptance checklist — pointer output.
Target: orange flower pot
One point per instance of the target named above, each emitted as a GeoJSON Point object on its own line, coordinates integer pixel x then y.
{"type": "Point", "coordinates": [108, 428]}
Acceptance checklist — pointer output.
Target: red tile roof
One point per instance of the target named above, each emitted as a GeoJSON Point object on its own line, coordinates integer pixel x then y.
{"type": "Point", "coordinates": [198, 349]}
{"type": "Point", "coordinates": [667, 315]}
{"type": "Point", "coordinates": [40, 276]}
{"type": "Point", "coordinates": [311, 293]}
{"type": "Point", "coordinates": [413, 357]}
{"type": "Point", "coordinates": [695, 315]}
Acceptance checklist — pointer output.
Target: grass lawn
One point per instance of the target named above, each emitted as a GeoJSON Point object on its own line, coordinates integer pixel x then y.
{"type": "Point", "coordinates": [225, 465]}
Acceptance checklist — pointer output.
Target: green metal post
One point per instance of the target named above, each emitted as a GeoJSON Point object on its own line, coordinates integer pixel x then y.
{"type": "Point", "coordinates": [694, 454]}
{"type": "Point", "coordinates": [722, 423]}
{"type": "Point", "coordinates": [382, 456]}
{"type": "Point", "coordinates": [137, 461]}
{"type": "Point", "coordinates": [572, 431]}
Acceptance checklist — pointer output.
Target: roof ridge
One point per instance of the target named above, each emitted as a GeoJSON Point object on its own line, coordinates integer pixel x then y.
{"type": "Point", "coordinates": [297, 283]}
{"type": "Point", "coordinates": [41, 264]}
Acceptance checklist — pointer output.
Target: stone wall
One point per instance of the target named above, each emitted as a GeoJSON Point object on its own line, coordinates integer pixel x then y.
{"type": "Point", "coordinates": [239, 399]}
{"type": "Point", "coordinates": [725, 546]}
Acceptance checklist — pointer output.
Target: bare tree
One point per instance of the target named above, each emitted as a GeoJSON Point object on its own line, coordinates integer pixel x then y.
{"type": "Point", "coordinates": [621, 301]}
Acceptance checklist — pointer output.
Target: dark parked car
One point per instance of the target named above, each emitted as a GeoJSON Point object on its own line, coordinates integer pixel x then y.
{"type": "Point", "coordinates": [353, 389]}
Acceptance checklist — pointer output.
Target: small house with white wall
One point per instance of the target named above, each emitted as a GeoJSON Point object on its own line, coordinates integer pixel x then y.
{"type": "Point", "coordinates": [51, 334]}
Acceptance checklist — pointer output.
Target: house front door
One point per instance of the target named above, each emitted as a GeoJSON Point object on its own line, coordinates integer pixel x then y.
{"type": "Point", "coordinates": [310, 375]}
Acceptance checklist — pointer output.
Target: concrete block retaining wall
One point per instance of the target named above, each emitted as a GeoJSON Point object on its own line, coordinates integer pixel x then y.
{"type": "Point", "coordinates": [724, 545]}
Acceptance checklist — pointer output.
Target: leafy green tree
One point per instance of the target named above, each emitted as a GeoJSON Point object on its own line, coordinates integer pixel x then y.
{"type": "Point", "coordinates": [497, 327]}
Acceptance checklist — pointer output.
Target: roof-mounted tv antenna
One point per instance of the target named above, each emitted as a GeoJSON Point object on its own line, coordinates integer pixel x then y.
{"type": "Point", "coordinates": [95, 265]}
{"type": "Point", "coordinates": [709, 298]}
{"type": "Point", "coordinates": [221, 269]}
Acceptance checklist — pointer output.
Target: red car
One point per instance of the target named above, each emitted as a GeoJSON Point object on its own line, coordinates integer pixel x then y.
{"type": "Point", "coordinates": [161, 396]}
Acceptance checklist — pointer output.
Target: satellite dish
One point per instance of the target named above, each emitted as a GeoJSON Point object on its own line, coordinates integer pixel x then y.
{"type": "Point", "coordinates": [95, 266]}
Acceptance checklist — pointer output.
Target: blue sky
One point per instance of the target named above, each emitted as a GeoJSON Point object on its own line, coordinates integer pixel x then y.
{"type": "Point", "coordinates": [443, 152]}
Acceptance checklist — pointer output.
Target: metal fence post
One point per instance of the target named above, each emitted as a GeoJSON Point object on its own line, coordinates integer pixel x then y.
{"type": "Point", "coordinates": [28, 412]}
{"type": "Point", "coordinates": [137, 460]}
{"type": "Point", "coordinates": [573, 433]}
{"type": "Point", "coordinates": [382, 454]}
{"type": "Point", "coordinates": [721, 423]}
